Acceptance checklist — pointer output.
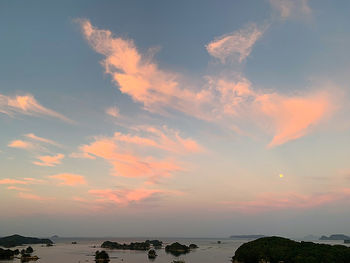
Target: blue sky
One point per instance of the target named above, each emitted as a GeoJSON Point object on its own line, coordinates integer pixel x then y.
{"type": "Point", "coordinates": [237, 109]}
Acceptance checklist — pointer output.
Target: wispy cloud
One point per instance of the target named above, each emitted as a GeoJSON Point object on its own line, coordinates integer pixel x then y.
{"type": "Point", "coordinates": [21, 181]}
{"type": "Point", "coordinates": [41, 139]}
{"type": "Point", "coordinates": [236, 46]}
{"type": "Point", "coordinates": [125, 196]}
{"type": "Point", "coordinates": [16, 188]}
{"type": "Point", "coordinates": [291, 8]}
{"type": "Point", "coordinates": [30, 196]}
{"type": "Point", "coordinates": [69, 179]}
{"type": "Point", "coordinates": [27, 105]}
{"type": "Point", "coordinates": [48, 160]}
{"type": "Point", "coordinates": [113, 111]}
{"type": "Point", "coordinates": [278, 201]}
{"type": "Point", "coordinates": [137, 154]}
{"type": "Point", "coordinates": [222, 100]}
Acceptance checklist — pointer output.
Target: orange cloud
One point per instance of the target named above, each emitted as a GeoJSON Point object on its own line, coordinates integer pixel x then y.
{"type": "Point", "coordinates": [27, 105]}
{"type": "Point", "coordinates": [69, 179]}
{"type": "Point", "coordinates": [123, 197]}
{"type": "Point", "coordinates": [21, 144]}
{"type": "Point", "coordinates": [237, 45]}
{"type": "Point", "coordinates": [136, 154]}
{"type": "Point", "coordinates": [48, 160]}
{"type": "Point", "coordinates": [286, 117]}
{"type": "Point", "coordinates": [293, 117]}
{"type": "Point", "coordinates": [126, 163]}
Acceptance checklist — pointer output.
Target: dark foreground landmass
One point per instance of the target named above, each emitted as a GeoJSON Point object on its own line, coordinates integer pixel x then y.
{"type": "Point", "coordinates": [279, 249]}
{"type": "Point", "coordinates": [17, 240]}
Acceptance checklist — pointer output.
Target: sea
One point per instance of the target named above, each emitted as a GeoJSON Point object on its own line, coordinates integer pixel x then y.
{"type": "Point", "coordinates": [209, 250]}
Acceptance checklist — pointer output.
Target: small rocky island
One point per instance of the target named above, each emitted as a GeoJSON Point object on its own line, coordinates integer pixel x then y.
{"type": "Point", "coordinates": [7, 254]}
{"type": "Point", "coordinates": [26, 255]}
{"type": "Point", "coordinates": [17, 240]}
{"type": "Point", "coordinates": [279, 249]}
{"type": "Point", "coordinates": [101, 256]}
{"type": "Point", "coordinates": [131, 246]}
{"type": "Point", "coordinates": [178, 249]}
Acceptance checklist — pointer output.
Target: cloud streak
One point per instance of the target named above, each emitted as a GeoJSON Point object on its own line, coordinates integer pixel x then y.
{"type": "Point", "coordinates": [69, 179]}
{"type": "Point", "coordinates": [236, 46]}
{"type": "Point", "coordinates": [27, 105]}
{"type": "Point", "coordinates": [48, 160]}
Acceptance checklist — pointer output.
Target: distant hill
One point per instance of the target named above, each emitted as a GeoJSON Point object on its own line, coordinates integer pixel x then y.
{"type": "Point", "coordinates": [246, 236]}
{"type": "Point", "coordinates": [17, 240]}
{"type": "Point", "coordinates": [335, 237]}
{"type": "Point", "coordinates": [279, 249]}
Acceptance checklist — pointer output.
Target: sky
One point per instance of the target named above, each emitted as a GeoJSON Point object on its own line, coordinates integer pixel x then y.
{"type": "Point", "coordinates": [174, 118]}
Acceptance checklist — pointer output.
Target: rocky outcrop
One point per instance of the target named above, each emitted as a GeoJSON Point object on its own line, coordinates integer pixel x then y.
{"type": "Point", "coordinates": [131, 246]}
{"type": "Point", "coordinates": [17, 240]}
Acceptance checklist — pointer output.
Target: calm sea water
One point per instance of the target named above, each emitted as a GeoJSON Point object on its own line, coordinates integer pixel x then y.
{"type": "Point", "coordinates": [64, 251]}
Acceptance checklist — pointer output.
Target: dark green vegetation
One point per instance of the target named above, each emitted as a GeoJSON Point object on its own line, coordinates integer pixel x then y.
{"type": "Point", "coordinates": [101, 256]}
{"type": "Point", "coordinates": [17, 240]}
{"type": "Point", "coordinates": [131, 246]}
{"type": "Point", "coordinates": [6, 254]}
{"type": "Point", "coordinates": [278, 249]}
{"type": "Point", "coordinates": [178, 249]}
{"type": "Point", "coordinates": [155, 243]}
{"type": "Point", "coordinates": [335, 237]}
{"type": "Point", "coordinates": [152, 254]}
{"type": "Point", "coordinates": [26, 255]}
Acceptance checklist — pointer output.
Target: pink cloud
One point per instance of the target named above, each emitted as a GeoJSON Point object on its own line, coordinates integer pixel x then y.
{"type": "Point", "coordinates": [22, 181]}
{"type": "Point", "coordinates": [277, 201]}
{"type": "Point", "coordinates": [12, 181]}
{"type": "Point", "coordinates": [30, 196]}
{"type": "Point", "coordinates": [47, 160]}
{"type": "Point", "coordinates": [237, 45]}
{"type": "Point", "coordinates": [123, 197]}
{"type": "Point", "coordinates": [21, 189]}
{"type": "Point", "coordinates": [69, 179]}
{"type": "Point", "coordinates": [220, 101]}
{"type": "Point", "coordinates": [26, 105]}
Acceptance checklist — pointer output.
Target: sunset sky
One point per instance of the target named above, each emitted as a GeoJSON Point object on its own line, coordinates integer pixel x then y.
{"type": "Point", "coordinates": [174, 118]}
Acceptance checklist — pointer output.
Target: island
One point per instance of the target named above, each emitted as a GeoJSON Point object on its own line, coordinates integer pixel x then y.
{"type": "Point", "coordinates": [178, 249]}
{"type": "Point", "coordinates": [152, 254]}
{"type": "Point", "coordinates": [155, 243]}
{"type": "Point", "coordinates": [17, 240]}
{"type": "Point", "coordinates": [335, 237]}
{"type": "Point", "coordinates": [278, 249]}
{"type": "Point", "coordinates": [101, 256]}
{"type": "Point", "coordinates": [7, 254]}
{"type": "Point", "coordinates": [26, 255]}
{"type": "Point", "coordinates": [131, 246]}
